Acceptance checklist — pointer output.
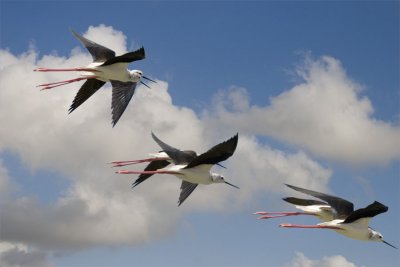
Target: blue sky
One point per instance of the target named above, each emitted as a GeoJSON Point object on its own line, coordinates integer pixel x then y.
{"type": "Point", "coordinates": [311, 87]}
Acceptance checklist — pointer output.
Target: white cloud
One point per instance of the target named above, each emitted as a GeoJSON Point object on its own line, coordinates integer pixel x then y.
{"type": "Point", "coordinates": [108, 37]}
{"type": "Point", "coordinates": [325, 114]}
{"type": "Point", "coordinates": [99, 207]}
{"type": "Point", "coordinates": [301, 260]}
{"type": "Point", "coordinates": [17, 255]}
{"type": "Point", "coordinates": [4, 180]}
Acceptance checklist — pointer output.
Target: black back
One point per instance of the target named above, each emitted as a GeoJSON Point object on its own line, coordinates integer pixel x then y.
{"type": "Point", "coordinates": [216, 154]}
{"type": "Point", "coordinates": [342, 207]}
{"type": "Point", "coordinates": [367, 212]}
{"type": "Point", "coordinates": [177, 156]}
{"type": "Point", "coordinates": [126, 58]}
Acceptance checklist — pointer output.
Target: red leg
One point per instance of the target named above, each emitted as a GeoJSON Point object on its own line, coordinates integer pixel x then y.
{"type": "Point", "coordinates": [269, 215]}
{"type": "Point", "coordinates": [288, 225]}
{"type": "Point", "coordinates": [56, 84]}
{"type": "Point", "coordinates": [146, 172]}
{"type": "Point", "coordinates": [71, 69]}
{"type": "Point", "coordinates": [130, 162]}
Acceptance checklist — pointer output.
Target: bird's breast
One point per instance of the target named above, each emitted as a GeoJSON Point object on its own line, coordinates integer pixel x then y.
{"type": "Point", "coordinates": [116, 72]}
{"type": "Point", "coordinates": [197, 175]}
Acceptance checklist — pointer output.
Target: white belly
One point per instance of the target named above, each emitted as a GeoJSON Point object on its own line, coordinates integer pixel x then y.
{"type": "Point", "coordinates": [351, 230]}
{"type": "Point", "coordinates": [117, 72]}
{"type": "Point", "coordinates": [197, 175]}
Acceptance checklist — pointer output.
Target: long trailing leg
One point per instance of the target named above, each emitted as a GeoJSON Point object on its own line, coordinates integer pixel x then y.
{"type": "Point", "coordinates": [130, 162]}
{"type": "Point", "coordinates": [46, 86]}
{"type": "Point", "coordinates": [146, 172]}
{"type": "Point", "coordinates": [288, 225]}
{"type": "Point", "coordinates": [56, 84]}
{"type": "Point", "coordinates": [269, 215]}
{"type": "Point", "coordinates": [68, 69]}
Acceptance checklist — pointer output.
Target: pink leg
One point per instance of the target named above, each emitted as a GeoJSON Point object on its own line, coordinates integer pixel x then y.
{"type": "Point", "coordinates": [146, 172]}
{"type": "Point", "coordinates": [56, 84]}
{"type": "Point", "coordinates": [71, 69]}
{"type": "Point", "coordinates": [269, 215]}
{"type": "Point", "coordinates": [288, 225]}
{"type": "Point", "coordinates": [130, 162]}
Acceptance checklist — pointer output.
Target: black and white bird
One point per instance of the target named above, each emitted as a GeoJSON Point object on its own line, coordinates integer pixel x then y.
{"type": "Point", "coordinates": [345, 220]}
{"type": "Point", "coordinates": [106, 67]}
{"type": "Point", "coordinates": [320, 209]}
{"type": "Point", "coordinates": [191, 168]}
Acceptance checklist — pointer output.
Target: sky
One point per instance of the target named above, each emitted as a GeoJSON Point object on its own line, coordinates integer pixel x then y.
{"type": "Point", "coordinates": [311, 87]}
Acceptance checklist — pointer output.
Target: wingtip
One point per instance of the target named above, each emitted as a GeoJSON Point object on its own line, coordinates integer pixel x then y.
{"type": "Point", "coordinates": [290, 186]}
{"type": "Point", "coordinates": [155, 138]}
{"type": "Point", "coordinates": [74, 33]}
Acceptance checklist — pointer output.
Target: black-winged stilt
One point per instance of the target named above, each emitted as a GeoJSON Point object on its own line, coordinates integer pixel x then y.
{"type": "Point", "coordinates": [105, 67]}
{"type": "Point", "coordinates": [345, 220]}
{"type": "Point", "coordinates": [191, 168]}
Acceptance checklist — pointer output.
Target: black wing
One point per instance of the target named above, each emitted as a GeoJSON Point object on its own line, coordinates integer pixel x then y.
{"type": "Point", "coordinates": [99, 53]}
{"type": "Point", "coordinates": [176, 155]}
{"type": "Point", "coordinates": [126, 58]}
{"type": "Point", "coordinates": [87, 90]}
{"type": "Point", "coordinates": [152, 166]}
{"type": "Point", "coordinates": [216, 154]}
{"type": "Point", "coordinates": [367, 212]}
{"type": "Point", "coordinates": [303, 202]}
{"type": "Point", "coordinates": [122, 93]}
{"type": "Point", "coordinates": [342, 207]}
{"type": "Point", "coordinates": [186, 189]}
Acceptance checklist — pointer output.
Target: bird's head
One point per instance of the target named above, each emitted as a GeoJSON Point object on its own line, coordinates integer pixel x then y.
{"type": "Point", "coordinates": [218, 178]}
{"type": "Point", "coordinates": [137, 75]}
{"type": "Point", "coordinates": [376, 236]}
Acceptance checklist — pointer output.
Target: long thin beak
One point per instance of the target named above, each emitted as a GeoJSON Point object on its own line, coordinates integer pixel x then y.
{"type": "Point", "coordinates": [144, 84]}
{"type": "Point", "coordinates": [232, 185]}
{"type": "Point", "coordinates": [222, 166]}
{"type": "Point", "coordinates": [144, 77]}
{"type": "Point", "coordinates": [389, 244]}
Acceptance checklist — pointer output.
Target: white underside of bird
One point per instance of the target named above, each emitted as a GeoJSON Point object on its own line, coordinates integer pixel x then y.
{"type": "Point", "coordinates": [195, 175]}
{"type": "Point", "coordinates": [322, 212]}
{"type": "Point", "coordinates": [356, 230]}
{"type": "Point", "coordinates": [116, 72]}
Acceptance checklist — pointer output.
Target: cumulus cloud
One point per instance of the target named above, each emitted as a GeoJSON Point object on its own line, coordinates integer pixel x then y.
{"type": "Point", "coordinates": [17, 255]}
{"type": "Point", "coordinates": [99, 207]}
{"type": "Point", "coordinates": [301, 260]}
{"type": "Point", "coordinates": [325, 114]}
{"type": "Point", "coordinates": [4, 181]}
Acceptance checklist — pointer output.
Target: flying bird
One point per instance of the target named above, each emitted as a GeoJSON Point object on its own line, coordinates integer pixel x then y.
{"type": "Point", "coordinates": [191, 168]}
{"type": "Point", "coordinates": [157, 161]}
{"type": "Point", "coordinates": [106, 67]}
{"type": "Point", "coordinates": [320, 209]}
{"type": "Point", "coordinates": [345, 220]}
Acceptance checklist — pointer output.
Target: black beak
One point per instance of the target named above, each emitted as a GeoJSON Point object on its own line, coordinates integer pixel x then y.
{"type": "Point", "coordinates": [232, 185]}
{"type": "Point", "coordinates": [222, 166]}
{"type": "Point", "coordinates": [144, 84]}
{"type": "Point", "coordinates": [389, 244]}
{"type": "Point", "coordinates": [144, 77]}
